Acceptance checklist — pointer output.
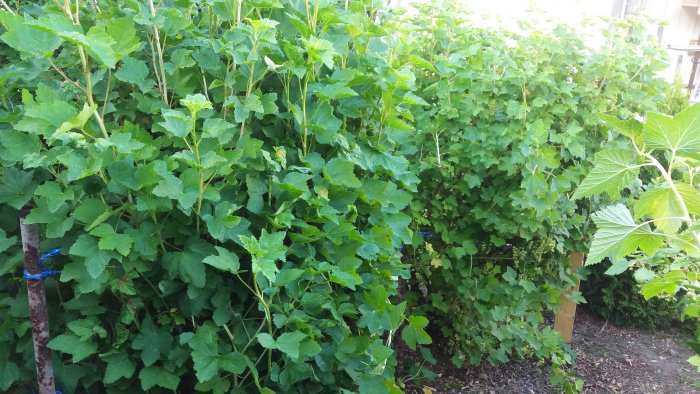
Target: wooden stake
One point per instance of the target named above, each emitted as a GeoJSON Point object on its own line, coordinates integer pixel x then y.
{"type": "Point", "coordinates": [564, 319]}
{"type": "Point", "coordinates": [37, 305]}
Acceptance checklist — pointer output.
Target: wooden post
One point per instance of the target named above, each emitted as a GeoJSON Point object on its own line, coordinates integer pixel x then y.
{"type": "Point", "coordinates": [564, 319]}
{"type": "Point", "coordinates": [37, 305]}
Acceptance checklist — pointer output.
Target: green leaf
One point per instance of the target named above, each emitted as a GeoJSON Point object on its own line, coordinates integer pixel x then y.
{"type": "Point", "coordinates": [96, 259]}
{"type": "Point", "coordinates": [208, 362]}
{"type": "Point", "coordinates": [661, 205]}
{"type": "Point", "coordinates": [630, 128]}
{"type": "Point", "coordinates": [119, 365]}
{"type": "Point", "coordinates": [695, 361]}
{"type": "Point", "coordinates": [124, 143]}
{"type": "Point", "coordinates": [420, 62]}
{"type": "Point", "coordinates": [266, 340]}
{"type": "Point", "coordinates": [156, 376]}
{"type": "Point", "coordinates": [83, 282]}
{"type": "Point", "coordinates": [288, 343]}
{"type": "Point", "coordinates": [265, 252]}
{"type": "Point", "coordinates": [31, 42]}
{"type": "Point", "coordinates": [256, 188]}
{"type": "Point", "coordinates": [252, 103]}
{"type": "Point", "coordinates": [680, 134]}
{"type": "Point", "coordinates": [324, 125]}
{"type": "Point", "coordinates": [410, 98]}
{"type": "Point", "coordinates": [75, 123]}
{"type": "Point", "coordinates": [5, 242]}
{"type": "Point", "coordinates": [111, 240]}
{"type": "Point", "coordinates": [618, 235]}
{"type": "Point", "coordinates": [16, 187]}
{"type": "Point", "coordinates": [223, 225]}
{"type": "Point", "coordinates": [335, 91]}
{"type": "Point", "coordinates": [87, 328]}
{"type": "Point", "coordinates": [73, 345]}
{"type": "Point", "coordinates": [176, 122]}
{"type": "Point", "coordinates": [397, 123]}
{"type": "Point", "coordinates": [347, 279]}
{"type": "Point", "coordinates": [618, 267]}
{"type": "Point", "coordinates": [225, 261]}
{"type": "Point", "coordinates": [642, 275]}
{"type": "Point", "coordinates": [123, 32]}
{"type": "Point", "coordinates": [690, 196]}
{"type": "Point", "coordinates": [273, 244]}
{"type": "Point", "coordinates": [320, 50]}
{"type": "Point", "coordinates": [614, 170]}
{"type": "Point", "coordinates": [91, 211]}
{"type": "Point", "coordinates": [153, 341]}
{"type": "Point", "coordinates": [100, 46]}
{"type": "Point", "coordinates": [414, 333]}
{"type": "Point", "coordinates": [234, 362]}
{"type": "Point", "coordinates": [266, 267]}
{"type": "Point", "coordinates": [17, 145]}
{"type": "Point", "coordinates": [80, 166]}
{"type": "Point", "coordinates": [196, 103]}
{"type": "Point", "coordinates": [218, 128]}
{"type": "Point", "coordinates": [340, 172]}
{"type": "Point", "coordinates": [55, 195]}
{"type": "Point", "coordinates": [287, 276]}
{"type": "Point", "coordinates": [9, 373]}
{"type": "Point", "coordinates": [57, 222]}
{"type": "Point", "coordinates": [668, 283]}
{"type": "Point", "coordinates": [173, 188]}
{"type": "Point", "coordinates": [135, 71]}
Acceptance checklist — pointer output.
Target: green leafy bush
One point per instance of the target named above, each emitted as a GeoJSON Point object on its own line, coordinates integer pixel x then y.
{"type": "Point", "coordinates": [651, 227]}
{"type": "Point", "coordinates": [506, 130]}
{"type": "Point", "coordinates": [617, 299]}
{"type": "Point", "coordinates": [226, 179]}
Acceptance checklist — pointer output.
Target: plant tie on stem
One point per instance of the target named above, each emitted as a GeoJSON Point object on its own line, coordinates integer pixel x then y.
{"type": "Point", "coordinates": [46, 270]}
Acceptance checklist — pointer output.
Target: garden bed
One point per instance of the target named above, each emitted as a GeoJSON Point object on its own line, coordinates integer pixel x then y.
{"type": "Point", "coordinates": [609, 359]}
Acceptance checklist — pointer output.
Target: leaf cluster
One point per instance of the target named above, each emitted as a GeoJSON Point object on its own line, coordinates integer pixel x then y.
{"type": "Point", "coordinates": [654, 229]}
{"type": "Point", "coordinates": [506, 130]}
{"type": "Point", "coordinates": [227, 181]}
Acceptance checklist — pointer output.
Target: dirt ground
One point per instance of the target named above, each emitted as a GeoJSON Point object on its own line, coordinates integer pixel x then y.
{"type": "Point", "coordinates": [609, 360]}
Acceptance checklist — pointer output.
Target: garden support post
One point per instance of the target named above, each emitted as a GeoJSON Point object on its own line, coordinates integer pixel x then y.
{"type": "Point", "coordinates": [564, 319]}
{"type": "Point", "coordinates": [37, 305]}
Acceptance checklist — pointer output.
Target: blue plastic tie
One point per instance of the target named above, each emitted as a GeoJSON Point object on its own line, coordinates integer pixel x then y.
{"type": "Point", "coordinates": [34, 391]}
{"type": "Point", "coordinates": [46, 270]}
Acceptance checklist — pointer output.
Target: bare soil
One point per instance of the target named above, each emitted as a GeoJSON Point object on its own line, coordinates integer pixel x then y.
{"type": "Point", "coordinates": [609, 360]}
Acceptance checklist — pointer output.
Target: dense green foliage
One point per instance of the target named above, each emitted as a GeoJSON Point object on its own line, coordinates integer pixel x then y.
{"type": "Point", "coordinates": [507, 131]}
{"type": "Point", "coordinates": [233, 181]}
{"type": "Point", "coordinates": [617, 299]}
{"type": "Point", "coordinates": [676, 97]}
{"type": "Point", "coordinates": [652, 225]}
{"type": "Point", "coordinates": [227, 182]}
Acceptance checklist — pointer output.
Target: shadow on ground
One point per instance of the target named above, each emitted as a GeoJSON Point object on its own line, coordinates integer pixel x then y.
{"type": "Point", "coordinates": [609, 359]}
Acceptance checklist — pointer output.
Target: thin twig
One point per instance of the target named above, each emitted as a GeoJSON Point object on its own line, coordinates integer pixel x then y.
{"type": "Point", "coordinates": [155, 64]}
{"type": "Point", "coordinates": [75, 18]}
{"type": "Point", "coordinates": [104, 103]}
{"type": "Point", "coordinates": [160, 53]}
{"type": "Point", "coordinates": [75, 83]}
